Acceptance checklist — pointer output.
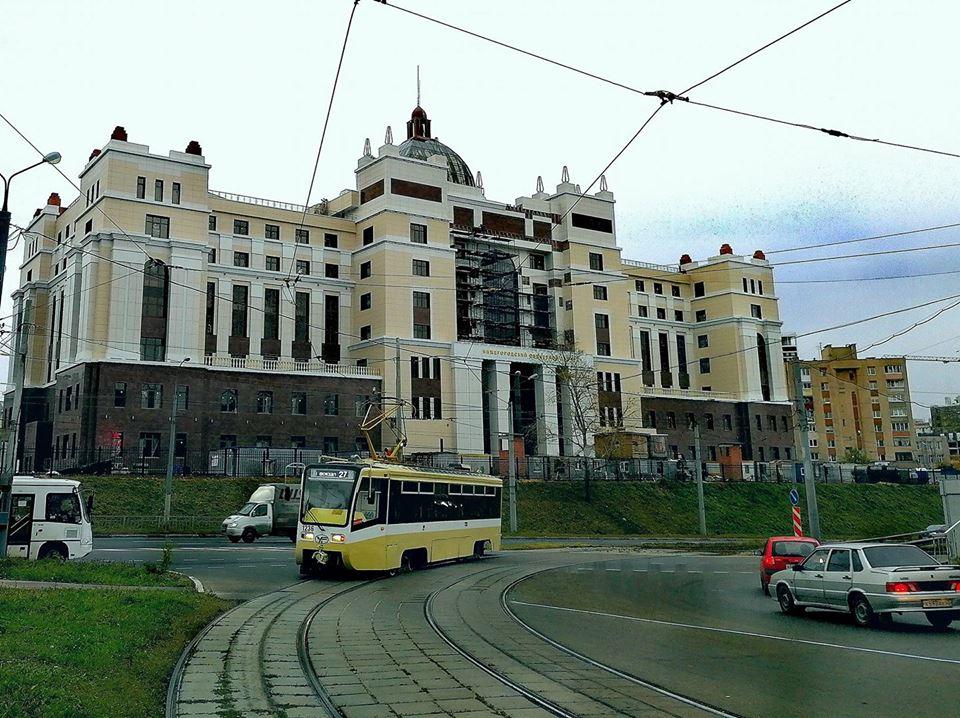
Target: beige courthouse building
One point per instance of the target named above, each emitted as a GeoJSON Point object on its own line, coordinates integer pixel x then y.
{"type": "Point", "coordinates": [275, 322]}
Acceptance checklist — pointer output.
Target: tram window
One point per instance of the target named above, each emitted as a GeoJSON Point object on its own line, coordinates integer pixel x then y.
{"type": "Point", "coordinates": [409, 487]}
{"type": "Point", "coordinates": [456, 489]}
{"type": "Point", "coordinates": [369, 508]}
{"type": "Point", "coordinates": [426, 487]}
{"type": "Point", "coordinates": [63, 508]}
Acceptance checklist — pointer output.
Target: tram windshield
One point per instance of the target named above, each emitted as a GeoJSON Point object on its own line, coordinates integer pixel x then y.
{"type": "Point", "coordinates": [327, 494]}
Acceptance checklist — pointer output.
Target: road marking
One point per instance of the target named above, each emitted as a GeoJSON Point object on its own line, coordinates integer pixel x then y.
{"type": "Point", "coordinates": [750, 634]}
{"type": "Point", "coordinates": [611, 569]}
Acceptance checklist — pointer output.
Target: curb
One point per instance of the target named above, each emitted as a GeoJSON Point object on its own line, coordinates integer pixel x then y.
{"type": "Point", "coordinates": [46, 585]}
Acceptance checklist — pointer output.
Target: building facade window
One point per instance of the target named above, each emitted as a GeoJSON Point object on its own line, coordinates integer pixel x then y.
{"type": "Point", "coordinates": [701, 315]}
{"type": "Point", "coordinates": [366, 332]}
{"type": "Point", "coordinates": [156, 226]}
{"type": "Point", "coordinates": [158, 190]}
{"type": "Point", "coordinates": [228, 401]}
{"type": "Point", "coordinates": [421, 268]}
{"type": "Point", "coordinates": [301, 319]}
{"type": "Point", "coordinates": [120, 394]}
{"type": "Point", "coordinates": [238, 325]}
{"type": "Point", "coordinates": [298, 403]}
{"type": "Point", "coordinates": [365, 301]}
{"type": "Point", "coordinates": [151, 396]}
{"type": "Point", "coordinates": [703, 341]}
{"type": "Point", "coordinates": [241, 227]}
{"type": "Point", "coordinates": [301, 236]}
{"type": "Point", "coordinates": [367, 236]}
{"type": "Point", "coordinates": [241, 259]}
{"type": "Point", "coordinates": [141, 187]}
{"type": "Point", "coordinates": [596, 261]}
{"type": "Point", "coordinates": [212, 223]}
{"type": "Point", "coordinates": [303, 267]}
{"type": "Point", "coordinates": [264, 402]}
{"type": "Point", "coordinates": [600, 292]}
{"type": "Point", "coordinates": [271, 231]}
{"type": "Point", "coordinates": [175, 193]}
{"type": "Point", "coordinates": [698, 289]}
{"type": "Point", "coordinates": [365, 270]}
{"type": "Point", "coordinates": [418, 233]}
{"type": "Point", "coordinates": [705, 366]}
{"type": "Point", "coordinates": [271, 313]}
{"type": "Point", "coordinates": [331, 405]}
{"type": "Point", "coordinates": [330, 241]}
{"type": "Point", "coordinates": [272, 264]}
{"type": "Point", "coordinates": [331, 271]}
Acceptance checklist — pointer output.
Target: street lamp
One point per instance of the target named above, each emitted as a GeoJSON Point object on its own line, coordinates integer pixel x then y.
{"type": "Point", "coordinates": [168, 484]}
{"type": "Point", "coordinates": [511, 457]}
{"type": "Point", "coordinates": [6, 477]}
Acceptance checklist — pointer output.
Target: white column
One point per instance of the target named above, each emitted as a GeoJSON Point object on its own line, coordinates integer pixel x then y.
{"type": "Point", "coordinates": [498, 384]}
{"type": "Point", "coordinates": [548, 438]}
{"type": "Point", "coordinates": [187, 307]}
{"type": "Point", "coordinates": [126, 302]}
{"type": "Point", "coordinates": [778, 379]}
{"type": "Point", "coordinates": [468, 396]}
{"type": "Point", "coordinates": [255, 318]}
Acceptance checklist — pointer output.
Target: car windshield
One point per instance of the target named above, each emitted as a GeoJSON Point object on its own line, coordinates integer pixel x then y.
{"type": "Point", "coordinates": [892, 556]}
{"type": "Point", "coordinates": [247, 508]}
{"type": "Point", "coordinates": [793, 548]}
{"type": "Point", "coordinates": [327, 493]}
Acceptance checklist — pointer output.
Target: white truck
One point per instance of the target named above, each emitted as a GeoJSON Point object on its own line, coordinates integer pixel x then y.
{"type": "Point", "coordinates": [271, 510]}
{"type": "Point", "coordinates": [49, 519]}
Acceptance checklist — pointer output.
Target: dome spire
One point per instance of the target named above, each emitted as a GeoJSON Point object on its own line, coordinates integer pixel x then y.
{"type": "Point", "coordinates": [418, 85]}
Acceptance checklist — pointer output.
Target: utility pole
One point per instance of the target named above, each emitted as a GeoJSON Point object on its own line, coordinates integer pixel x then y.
{"type": "Point", "coordinates": [698, 468]}
{"type": "Point", "coordinates": [810, 488]}
{"type": "Point", "coordinates": [171, 449]}
{"type": "Point", "coordinates": [512, 460]}
{"type": "Point", "coordinates": [6, 471]}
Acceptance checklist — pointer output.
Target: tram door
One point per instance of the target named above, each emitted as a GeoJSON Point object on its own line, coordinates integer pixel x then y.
{"type": "Point", "coordinates": [21, 526]}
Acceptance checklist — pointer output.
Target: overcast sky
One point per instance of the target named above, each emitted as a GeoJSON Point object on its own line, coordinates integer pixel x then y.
{"type": "Point", "coordinates": [251, 80]}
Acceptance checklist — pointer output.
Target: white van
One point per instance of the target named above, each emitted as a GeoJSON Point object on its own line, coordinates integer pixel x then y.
{"type": "Point", "coordinates": [48, 519]}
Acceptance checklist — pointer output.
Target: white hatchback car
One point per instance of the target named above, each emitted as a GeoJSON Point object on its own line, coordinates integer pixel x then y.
{"type": "Point", "coordinates": [871, 581]}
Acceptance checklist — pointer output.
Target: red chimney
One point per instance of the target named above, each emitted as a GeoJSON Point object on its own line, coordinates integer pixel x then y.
{"type": "Point", "coordinates": [685, 259]}
{"type": "Point", "coordinates": [54, 199]}
{"type": "Point", "coordinates": [726, 249]}
{"type": "Point", "coordinates": [193, 148]}
{"type": "Point", "coordinates": [119, 134]}
{"type": "Point", "coordinates": [93, 154]}
{"type": "Point", "coordinates": [759, 254]}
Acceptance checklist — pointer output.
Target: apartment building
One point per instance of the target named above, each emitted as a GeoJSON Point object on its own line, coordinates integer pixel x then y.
{"type": "Point", "coordinates": [857, 403]}
{"type": "Point", "coordinates": [412, 283]}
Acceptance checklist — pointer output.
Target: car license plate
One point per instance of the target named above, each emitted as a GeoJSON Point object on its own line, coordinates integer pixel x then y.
{"type": "Point", "coordinates": [937, 603]}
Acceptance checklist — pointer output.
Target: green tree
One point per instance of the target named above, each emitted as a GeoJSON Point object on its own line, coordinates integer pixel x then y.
{"type": "Point", "coordinates": [854, 456]}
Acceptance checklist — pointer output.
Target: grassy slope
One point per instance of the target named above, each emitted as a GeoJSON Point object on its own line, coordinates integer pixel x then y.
{"type": "Point", "coordinates": [99, 572]}
{"type": "Point", "coordinates": [742, 509]}
{"type": "Point", "coordinates": [138, 496]}
{"type": "Point", "coordinates": [664, 509]}
{"type": "Point", "coordinates": [90, 654]}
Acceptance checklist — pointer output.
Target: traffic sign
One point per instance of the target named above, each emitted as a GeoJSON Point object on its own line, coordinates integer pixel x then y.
{"type": "Point", "coordinates": [794, 497]}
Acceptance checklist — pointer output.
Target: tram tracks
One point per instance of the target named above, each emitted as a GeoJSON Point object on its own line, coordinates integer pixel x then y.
{"type": "Point", "coordinates": [643, 695]}
{"type": "Point", "coordinates": [235, 675]}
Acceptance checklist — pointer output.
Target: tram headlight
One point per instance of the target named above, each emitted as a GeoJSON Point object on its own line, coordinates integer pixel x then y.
{"type": "Point", "coordinates": [307, 535]}
{"type": "Point", "coordinates": [338, 538]}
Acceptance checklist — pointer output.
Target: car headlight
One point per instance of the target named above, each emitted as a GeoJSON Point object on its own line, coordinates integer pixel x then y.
{"type": "Point", "coordinates": [338, 538]}
{"type": "Point", "coordinates": [233, 525]}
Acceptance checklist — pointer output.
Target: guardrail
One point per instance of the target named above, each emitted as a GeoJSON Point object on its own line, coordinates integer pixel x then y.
{"type": "Point", "coordinates": [109, 523]}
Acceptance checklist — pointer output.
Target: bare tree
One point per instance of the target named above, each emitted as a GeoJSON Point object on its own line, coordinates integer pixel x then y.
{"type": "Point", "coordinates": [588, 414]}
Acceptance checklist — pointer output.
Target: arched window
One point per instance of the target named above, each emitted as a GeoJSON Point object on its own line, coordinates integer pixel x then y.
{"type": "Point", "coordinates": [153, 316]}
{"type": "Point", "coordinates": [228, 401]}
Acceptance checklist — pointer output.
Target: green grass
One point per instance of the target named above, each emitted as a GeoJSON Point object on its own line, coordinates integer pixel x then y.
{"type": "Point", "coordinates": [141, 497]}
{"type": "Point", "coordinates": [98, 572]}
{"type": "Point", "coordinates": [735, 510]}
{"type": "Point", "coordinates": [75, 653]}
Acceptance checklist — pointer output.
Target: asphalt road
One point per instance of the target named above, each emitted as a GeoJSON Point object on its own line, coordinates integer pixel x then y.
{"type": "Point", "coordinates": [235, 571]}
{"type": "Point", "coordinates": [700, 626]}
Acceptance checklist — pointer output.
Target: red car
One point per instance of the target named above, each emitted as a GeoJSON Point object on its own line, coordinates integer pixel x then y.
{"type": "Point", "coordinates": [780, 552]}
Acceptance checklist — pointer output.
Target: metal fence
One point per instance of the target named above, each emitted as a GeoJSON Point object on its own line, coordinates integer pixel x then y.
{"type": "Point", "coordinates": [279, 462]}
{"type": "Point", "coordinates": [113, 524]}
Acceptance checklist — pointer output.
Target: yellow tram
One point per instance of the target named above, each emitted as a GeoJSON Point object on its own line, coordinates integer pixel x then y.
{"type": "Point", "coordinates": [381, 516]}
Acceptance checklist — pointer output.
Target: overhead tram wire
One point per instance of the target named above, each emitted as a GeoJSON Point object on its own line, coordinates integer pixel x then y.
{"type": "Point", "coordinates": [890, 235]}
{"type": "Point", "coordinates": [98, 205]}
{"type": "Point", "coordinates": [764, 47]}
{"type": "Point", "coordinates": [323, 136]}
{"type": "Point", "coordinates": [912, 326]}
{"type": "Point", "coordinates": [662, 93]}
